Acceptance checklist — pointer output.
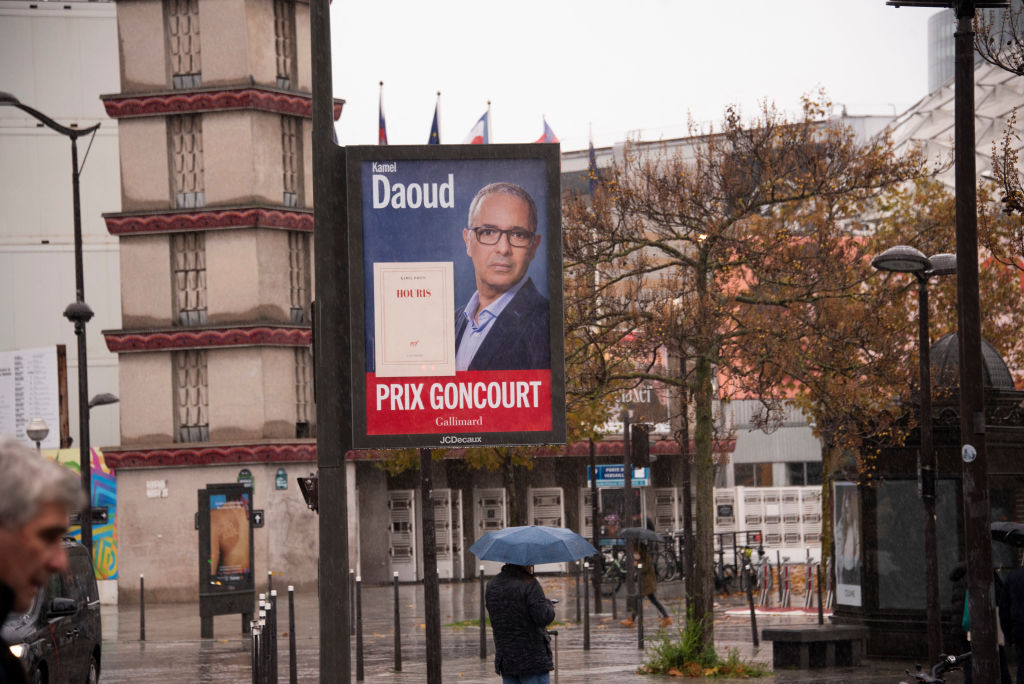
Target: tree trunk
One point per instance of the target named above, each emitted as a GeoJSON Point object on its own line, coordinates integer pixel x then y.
{"type": "Point", "coordinates": [687, 462]}
{"type": "Point", "coordinates": [704, 475]}
{"type": "Point", "coordinates": [827, 466]}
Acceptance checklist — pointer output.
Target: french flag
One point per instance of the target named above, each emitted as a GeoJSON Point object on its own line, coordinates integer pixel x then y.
{"type": "Point", "coordinates": [480, 133]}
{"type": "Point", "coordinates": [549, 135]}
{"type": "Point", "coordinates": [382, 129]}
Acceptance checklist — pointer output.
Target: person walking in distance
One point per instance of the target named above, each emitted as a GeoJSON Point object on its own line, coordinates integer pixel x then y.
{"type": "Point", "coordinates": [648, 587]}
{"type": "Point", "coordinates": [519, 614]}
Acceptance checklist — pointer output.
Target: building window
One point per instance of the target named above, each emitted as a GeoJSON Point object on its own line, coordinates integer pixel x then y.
{"type": "Point", "coordinates": [298, 275]}
{"type": "Point", "coordinates": [752, 474]}
{"type": "Point", "coordinates": [803, 473]}
{"type": "Point", "coordinates": [284, 41]}
{"type": "Point", "coordinates": [191, 400]}
{"type": "Point", "coordinates": [182, 22]}
{"type": "Point", "coordinates": [186, 134]}
{"type": "Point", "coordinates": [188, 269]}
{"type": "Point", "coordinates": [305, 410]}
{"type": "Point", "coordinates": [291, 158]}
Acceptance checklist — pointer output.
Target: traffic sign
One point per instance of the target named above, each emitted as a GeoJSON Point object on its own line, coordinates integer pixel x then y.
{"type": "Point", "coordinates": [614, 475]}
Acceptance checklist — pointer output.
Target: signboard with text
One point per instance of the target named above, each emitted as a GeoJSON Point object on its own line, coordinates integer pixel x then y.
{"type": "Point", "coordinates": [31, 386]}
{"type": "Point", "coordinates": [615, 476]}
{"type": "Point", "coordinates": [456, 295]}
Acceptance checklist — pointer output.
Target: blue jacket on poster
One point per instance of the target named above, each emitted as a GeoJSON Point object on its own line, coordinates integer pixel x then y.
{"type": "Point", "coordinates": [520, 337]}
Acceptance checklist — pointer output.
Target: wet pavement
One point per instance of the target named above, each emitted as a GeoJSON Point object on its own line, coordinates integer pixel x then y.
{"type": "Point", "coordinates": [173, 651]}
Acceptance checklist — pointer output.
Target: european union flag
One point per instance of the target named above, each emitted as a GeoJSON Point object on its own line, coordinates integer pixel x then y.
{"type": "Point", "coordinates": [435, 128]}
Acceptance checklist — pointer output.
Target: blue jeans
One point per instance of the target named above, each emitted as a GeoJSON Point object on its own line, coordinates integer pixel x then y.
{"type": "Point", "coordinates": [527, 679]}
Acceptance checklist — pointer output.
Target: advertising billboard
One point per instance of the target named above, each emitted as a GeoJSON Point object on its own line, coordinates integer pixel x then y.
{"type": "Point", "coordinates": [455, 272]}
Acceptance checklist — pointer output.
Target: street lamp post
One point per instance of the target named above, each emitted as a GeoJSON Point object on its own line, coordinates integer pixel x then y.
{"type": "Point", "coordinates": [78, 312]}
{"type": "Point", "coordinates": [977, 512]}
{"type": "Point", "coordinates": [902, 259]}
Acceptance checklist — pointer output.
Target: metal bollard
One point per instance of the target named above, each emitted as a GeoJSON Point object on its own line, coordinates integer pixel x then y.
{"type": "Point", "coordinates": [398, 629]}
{"type": "Point", "coordinates": [750, 601]}
{"type": "Point", "coordinates": [270, 581]}
{"type": "Point", "coordinates": [273, 636]}
{"type": "Point", "coordinates": [255, 664]}
{"type": "Point", "coordinates": [268, 640]}
{"type": "Point", "coordinates": [359, 629]}
{"type": "Point", "coordinates": [586, 603]}
{"type": "Point", "coordinates": [579, 568]}
{"type": "Point", "coordinates": [293, 673]}
{"type": "Point", "coordinates": [142, 608]}
{"type": "Point", "coordinates": [263, 644]}
{"type": "Point", "coordinates": [638, 609]}
{"type": "Point", "coordinates": [483, 617]}
{"type": "Point", "coordinates": [352, 599]}
{"type": "Point", "coordinates": [821, 609]}
{"type": "Point", "coordinates": [615, 607]}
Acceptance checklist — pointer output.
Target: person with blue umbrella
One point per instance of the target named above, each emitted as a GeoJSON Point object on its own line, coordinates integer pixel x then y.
{"type": "Point", "coordinates": [518, 609]}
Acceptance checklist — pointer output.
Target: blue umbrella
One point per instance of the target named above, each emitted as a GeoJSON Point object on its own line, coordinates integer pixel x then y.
{"type": "Point", "coordinates": [532, 545]}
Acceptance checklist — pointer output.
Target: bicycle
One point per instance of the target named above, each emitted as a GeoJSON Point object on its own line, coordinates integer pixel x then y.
{"type": "Point", "coordinates": [613, 570]}
{"type": "Point", "coordinates": [949, 663]}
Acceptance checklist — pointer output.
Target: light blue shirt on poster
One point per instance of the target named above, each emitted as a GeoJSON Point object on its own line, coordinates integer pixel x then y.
{"type": "Point", "coordinates": [476, 333]}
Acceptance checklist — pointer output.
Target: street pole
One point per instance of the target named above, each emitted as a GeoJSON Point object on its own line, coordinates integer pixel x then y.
{"type": "Point", "coordinates": [331, 360]}
{"type": "Point", "coordinates": [431, 591]}
{"type": "Point", "coordinates": [928, 474]}
{"type": "Point", "coordinates": [78, 312]}
{"type": "Point", "coordinates": [595, 527]}
{"type": "Point", "coordinates": [627, 507]}
{"type": "Point", "coordinates": [972, 410]}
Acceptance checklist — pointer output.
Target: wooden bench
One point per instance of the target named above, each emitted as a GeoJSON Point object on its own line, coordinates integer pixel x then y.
{"type": "Point", "coordinates": [816, 646]}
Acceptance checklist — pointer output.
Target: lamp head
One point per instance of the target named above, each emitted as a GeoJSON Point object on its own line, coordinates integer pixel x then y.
{"type": "Point", "coordinates": [8, 100]}
{"type": "Point", "coordinates": [37, 429]}
{"type": "Point", "coordinates": [902, 259]}
{"type": "Point", "coordinates": [78, 312]}
{"type": "Point", "coordinates": [942, 264]}
{"type": "Point", "coordinates": [103, 399]}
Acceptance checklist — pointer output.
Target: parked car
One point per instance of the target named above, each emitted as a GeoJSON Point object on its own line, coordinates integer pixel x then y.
{"type": "Point", "coordinates": [59, 638]}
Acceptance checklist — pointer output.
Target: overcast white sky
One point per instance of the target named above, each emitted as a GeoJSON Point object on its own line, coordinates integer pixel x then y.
{"type": "Point", "coordinates": [628, 68]}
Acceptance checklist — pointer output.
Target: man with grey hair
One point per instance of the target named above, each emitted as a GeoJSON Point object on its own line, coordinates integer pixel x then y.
{"type": "Point", "coordinates": [36, 496]}
{"type": "Point", "coordinates": [504, 325]}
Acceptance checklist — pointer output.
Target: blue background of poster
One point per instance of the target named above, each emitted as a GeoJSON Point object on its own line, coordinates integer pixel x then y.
{"type": "Point", "coordinates": [397, 235]}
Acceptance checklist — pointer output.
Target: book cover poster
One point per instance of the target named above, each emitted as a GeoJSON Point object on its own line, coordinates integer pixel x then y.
{"type": "Point", "coordinates": [414, 305]}
{"type": "Point", "coordinates": [456, 257]}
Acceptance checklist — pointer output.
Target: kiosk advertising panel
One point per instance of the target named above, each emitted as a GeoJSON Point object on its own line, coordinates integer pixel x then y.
{"type": "Point", "coordinates": [455, 268]}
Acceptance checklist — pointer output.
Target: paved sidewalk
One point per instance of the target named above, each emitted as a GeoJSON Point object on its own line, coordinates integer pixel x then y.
{"type": "Point", "coordinates": [174, 652]}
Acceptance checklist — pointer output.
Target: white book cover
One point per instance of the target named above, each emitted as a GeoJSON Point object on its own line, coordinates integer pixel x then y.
{"type": "Point", "coordinates": [414, 317]}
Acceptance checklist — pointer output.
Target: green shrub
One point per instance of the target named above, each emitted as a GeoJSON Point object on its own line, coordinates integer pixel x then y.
{"type": "Point", "coordinates": [681, 652]}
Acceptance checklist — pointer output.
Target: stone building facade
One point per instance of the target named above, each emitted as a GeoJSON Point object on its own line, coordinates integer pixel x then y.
{"type": "Point", "coordinates": [215, 231]}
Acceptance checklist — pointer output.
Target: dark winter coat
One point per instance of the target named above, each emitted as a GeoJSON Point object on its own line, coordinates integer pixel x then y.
{"type": "Point", "coordinates": [519, 614]}
{"type": "Point", "coordinates": [11, 671]}
{"type": "Point", "coordinates": [1011, 606]}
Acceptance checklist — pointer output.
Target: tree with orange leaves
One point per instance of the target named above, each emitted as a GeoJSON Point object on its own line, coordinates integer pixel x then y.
{"type": "Point", "coordinates": [690, 244]}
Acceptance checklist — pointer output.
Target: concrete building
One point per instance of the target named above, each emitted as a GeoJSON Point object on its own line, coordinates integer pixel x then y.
{"type": "Point", "coordinates": [58, 58]}
{"type": "Point", "coordinates": [215, 222]}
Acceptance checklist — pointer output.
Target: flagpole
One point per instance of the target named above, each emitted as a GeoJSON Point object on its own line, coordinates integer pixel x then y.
{"type": "Point", "coordinates": [490, 124]}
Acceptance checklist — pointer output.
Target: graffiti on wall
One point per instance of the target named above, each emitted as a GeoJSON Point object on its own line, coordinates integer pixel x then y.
{"type": "Point", "coordinates": [104, 493]}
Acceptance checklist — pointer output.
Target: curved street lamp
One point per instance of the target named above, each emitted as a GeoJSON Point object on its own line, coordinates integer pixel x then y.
{"type": "Point", "coordinates": [904, 259]}
{"type": "Point", "coordinates": [78, 312]}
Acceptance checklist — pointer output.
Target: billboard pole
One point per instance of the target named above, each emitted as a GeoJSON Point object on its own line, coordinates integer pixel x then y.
{"type": "Point", "coordinates": [331, 359]}
{"type": "Point", "coordinates": [431, 591]}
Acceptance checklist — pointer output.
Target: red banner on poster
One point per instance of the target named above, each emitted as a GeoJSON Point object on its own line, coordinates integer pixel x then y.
{"type": "Point", "coordinates": [469, 402]}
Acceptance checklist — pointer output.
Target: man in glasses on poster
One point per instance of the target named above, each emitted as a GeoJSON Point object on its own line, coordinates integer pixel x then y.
{"type": "Point", "coordinates": [505, 324]}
